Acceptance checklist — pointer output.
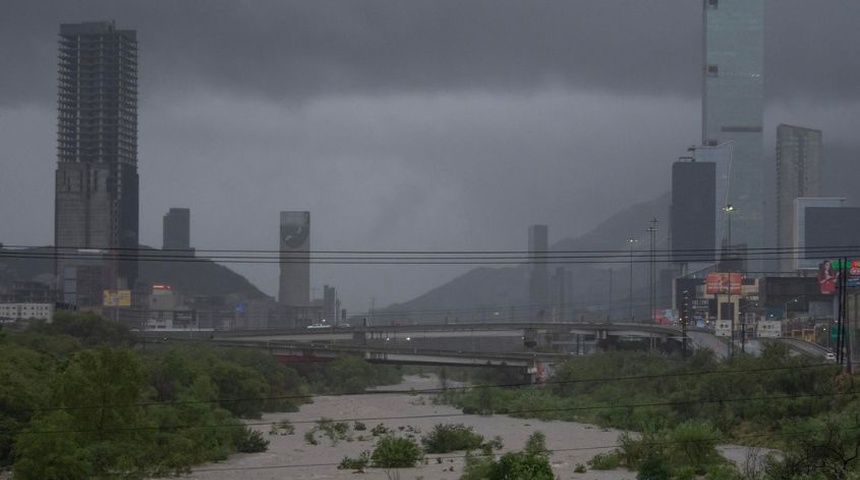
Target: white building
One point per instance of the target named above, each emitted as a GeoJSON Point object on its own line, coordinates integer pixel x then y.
{"type": "Point", "coordinates": [26, 311]}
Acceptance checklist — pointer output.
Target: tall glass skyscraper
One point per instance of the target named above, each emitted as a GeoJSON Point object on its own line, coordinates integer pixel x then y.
{"type": "Point", "coordinates": [96, 189]}
{"type": "Point", "coordinates": [733, 109]}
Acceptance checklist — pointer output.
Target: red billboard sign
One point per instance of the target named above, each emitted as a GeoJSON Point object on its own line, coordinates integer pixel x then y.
{"type": "Point", "coordinates": [723, 283]}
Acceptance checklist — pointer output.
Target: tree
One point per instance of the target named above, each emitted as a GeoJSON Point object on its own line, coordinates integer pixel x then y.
{"type": "Point", "coordinates": [98, 425]}
{"type": "Point", "coordinates": [521, 466]}
{"type": "Point", "coordinates": [24, 387]}
{"type": "Point", "coordinates": [396, 452]}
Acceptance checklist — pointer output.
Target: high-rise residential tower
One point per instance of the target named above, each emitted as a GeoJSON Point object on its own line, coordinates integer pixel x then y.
{"type": "Point", "coordinates": [96, 189]}
{"type": "Point", "coordinates": [295, 256]}
{"type": "Point", "coordinates": [733, 108]}
{"type": "Point", "coordinates": [538, 271]}
{"type": "Point", "coordinates": [176, 231]}
{"type": "Point", "coordinates": [798, 174]}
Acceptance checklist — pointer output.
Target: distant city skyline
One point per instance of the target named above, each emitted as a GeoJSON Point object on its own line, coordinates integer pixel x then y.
{"type": "Point", "coordinates": [404, 134]}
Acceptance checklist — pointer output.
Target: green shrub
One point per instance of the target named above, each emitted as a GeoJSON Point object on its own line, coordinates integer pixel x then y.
{"type": "Point", "coordinates": [634, 451]}
{"type": "Point", "coordinates": [310, 437]}
{"type": "Point", "coordinates": [380, 430]}
{"type": "Point", "coordinates": [536, 445]}
{"type": "Point", "coordinates": [605, 461]}
{"type": "Point", "coordinates": [654, 467]}
{"type": "Point", "coordinates": [694, 444]}
{"type": "Point", "coordinates": [521, 466]}
{"type": "Point", "coordinates": [449, 438]}
{"type": "Point", "coordinates": [251, 441]}
{"type": "Point", "coordinates": [685, 473]}
{"type": "Point", "coordinates": [477, 467]}
{"type": "Point", "coordinates": [723, 472]}
{"type": "Point", "coordinates": [356, 464]}
{"type": "Point", "coordinates": [490, 445]}
{"type": "Point", "coordinates": [396, 452]}
{"type": "Point", "coordinates": [284, 427]}
{"type": "Point", "coordinates": [335, 431]}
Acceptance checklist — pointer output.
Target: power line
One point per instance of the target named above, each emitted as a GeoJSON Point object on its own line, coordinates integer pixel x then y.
{"type": "Point", "coordinates": [430, 257]}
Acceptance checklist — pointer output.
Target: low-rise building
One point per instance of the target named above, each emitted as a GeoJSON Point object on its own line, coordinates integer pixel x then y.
{"type": "Point", "coordinates": [26, 311]}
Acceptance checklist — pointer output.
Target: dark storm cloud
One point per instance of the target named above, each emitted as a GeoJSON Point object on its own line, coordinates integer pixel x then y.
{"type": "Point", "coordinates": [406, 125]}
{"type": "Point", "coordinates": [296, 50]}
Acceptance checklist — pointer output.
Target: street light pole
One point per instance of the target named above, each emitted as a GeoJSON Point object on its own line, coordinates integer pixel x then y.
{"type": "Point", "coordinates": [729, 208]}
{"type": "Point", "coordinates": [632, 241]}
{"type": "Point", "coordinates": [653, 231]}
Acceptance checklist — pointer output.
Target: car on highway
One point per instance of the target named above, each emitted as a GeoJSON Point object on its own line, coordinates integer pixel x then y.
{"type": "Point", "coordinates": [830, 357]}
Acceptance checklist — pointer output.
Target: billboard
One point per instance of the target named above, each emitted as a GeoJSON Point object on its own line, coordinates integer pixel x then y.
{"type": "Point", "coordinates": [116, 298]}
{"type": "Point", "coordinates": [723, 283]}
{"type": "Point", "coordinates": [829, 272]}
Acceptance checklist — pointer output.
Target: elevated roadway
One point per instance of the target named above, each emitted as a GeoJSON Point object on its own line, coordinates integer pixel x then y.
{"type": "Point", "coordinates": [520, 345]}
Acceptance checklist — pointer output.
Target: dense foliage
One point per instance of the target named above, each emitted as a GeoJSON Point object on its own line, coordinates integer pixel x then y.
{"type": "Point", "coordinates": [396, 452]}
{"type": "Point", "coordinates": [445, 438]}
{"type": "Point", "coordinates": [79, 399]}
{"type": "Point", "coordinates": [531, 463]}
{"type": "Point", "coordinates": [797, 405]}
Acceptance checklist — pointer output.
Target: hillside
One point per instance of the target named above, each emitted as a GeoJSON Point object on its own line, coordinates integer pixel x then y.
{"type": "Point", "coordinates": [473, 295]}
{"type": "Point", "coordinates": [192, 276]}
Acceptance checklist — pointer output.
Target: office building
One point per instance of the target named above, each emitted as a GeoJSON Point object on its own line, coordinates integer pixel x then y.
{"type": "Point", "coordinates": [733, 108]}
{"type": "Point", "coordinates": [177, 231]}
{"type": "Point", "coordinates": [295, 256]}
{"type": "Point", "coordinates": [721, 156]}
{"type": "Point", "coordinates": [538, 271]}
{"type": "Point", "coordinates": [798, 174]}
{"type": "Point", "coordinates": [692, 213]}
{"type": "Point", "coordinates": [96, 189]}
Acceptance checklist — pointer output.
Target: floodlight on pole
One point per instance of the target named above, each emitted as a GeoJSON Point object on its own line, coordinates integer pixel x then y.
{"type": "Point", "coordinates": [729, 208]}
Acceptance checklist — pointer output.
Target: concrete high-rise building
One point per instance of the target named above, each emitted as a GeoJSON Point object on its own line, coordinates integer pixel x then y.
{"type": "Point", "coordinates": [295, 257]}
{"type": "Point", "coordinates": [721, 157]}
{"type": "Point", "coordinates": [538, 271]}
{"type": "Point", "coordinates": [177, 230]}
{"type": "Point", "coordinates": [96, 189]}
{"type": "Point", "coordinates": [733, 108]}
{"type": "Point", "coordinates": [798, 174]}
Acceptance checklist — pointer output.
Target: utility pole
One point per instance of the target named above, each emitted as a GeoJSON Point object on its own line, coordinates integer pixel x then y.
{"type": "Point", "coordinates": [610, 294]}
{"type": "Point", "coordinates": [632, 241]}
{"type": "Point", "coordinates": [653, 300]}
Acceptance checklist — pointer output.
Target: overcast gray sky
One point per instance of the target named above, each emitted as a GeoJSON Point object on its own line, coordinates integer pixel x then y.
{"type": "Point", "coordinates": [406, 125]}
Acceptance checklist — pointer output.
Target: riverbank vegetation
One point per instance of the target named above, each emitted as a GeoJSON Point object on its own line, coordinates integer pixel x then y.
{"type": "Point", "coordinates": [82, 398]}
{"type": "Point", "coordinates": [680, 410]}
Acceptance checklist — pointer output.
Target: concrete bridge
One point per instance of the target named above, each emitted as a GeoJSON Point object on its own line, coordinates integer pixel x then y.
{"type": "Point", "coordinates": [530, 347]}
